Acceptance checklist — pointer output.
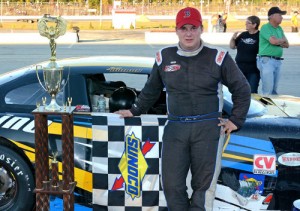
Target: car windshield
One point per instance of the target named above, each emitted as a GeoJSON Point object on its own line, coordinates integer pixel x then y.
{"type": "Point", "coordinates": [136, 81]}
{"type": "Point", "coordinates": [256, 108]}
{"type": "Point", "coordinates": [29, 95]}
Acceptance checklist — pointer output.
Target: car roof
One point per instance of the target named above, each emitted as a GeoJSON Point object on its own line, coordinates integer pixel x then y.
{"type": "Point", "coordinates": [124, 64]}
{"type": "Point", "coordinates": [88, 65]}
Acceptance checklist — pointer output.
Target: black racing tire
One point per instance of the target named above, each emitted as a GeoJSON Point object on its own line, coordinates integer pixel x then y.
{"type": "Point", "coordinates": [16, 182]}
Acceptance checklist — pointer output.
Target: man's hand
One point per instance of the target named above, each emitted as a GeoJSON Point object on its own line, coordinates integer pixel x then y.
{"type": "Point", "coordinates": [228, 126]}
{"type": "Point", "coordinates": [285, 43]}
{"type": "Point", "coordinates": [124, 113]}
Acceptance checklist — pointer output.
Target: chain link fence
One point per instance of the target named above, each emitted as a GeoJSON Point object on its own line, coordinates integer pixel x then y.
{"type": "Point", "coordinates": [146, 8]}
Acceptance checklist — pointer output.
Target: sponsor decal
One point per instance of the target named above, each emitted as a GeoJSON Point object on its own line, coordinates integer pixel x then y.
{"type": "Point", "coordinates": [264, 164]}
{"type": "Point", "coordinates": [158, 57]}
{"type": "Point", "coordinates": [220, 57]}
{"type": "Point", "coordinates": [290, 159]}
{"type": "Point", "coordinates": [296, 205]}
{"type": "Point", "coordinates": [18, 123]}
{"type": "Point", "coordinates": [172, 68]}
{"type": "Point", "coordinates": [133, 165]}
{"type": "Point", "coordinates": [252, 183]}
{"type": "Point", "coordinates": [250, 190]}
{"type": "Point", "coordinates": [124, 70]}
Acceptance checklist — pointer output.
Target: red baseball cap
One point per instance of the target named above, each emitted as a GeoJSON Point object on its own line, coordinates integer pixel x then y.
{"type": "Point", "coordinates": [188, 15]}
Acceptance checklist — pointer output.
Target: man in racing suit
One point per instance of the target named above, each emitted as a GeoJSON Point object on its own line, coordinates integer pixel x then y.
{"type": "Point", "coordinates": [192, 74]}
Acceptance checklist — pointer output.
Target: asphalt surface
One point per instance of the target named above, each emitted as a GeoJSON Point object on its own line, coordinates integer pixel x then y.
{"type": "Point", "coordinates": [137, 35]}
{"type": "Point", "coordinates": [129, 43]}
{"type": "Point", "coordinates": [11, 37]}
{"type": "Point", "coordinates": [122, 36]}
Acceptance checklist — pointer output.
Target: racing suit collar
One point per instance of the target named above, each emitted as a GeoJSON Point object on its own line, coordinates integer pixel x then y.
{"type": "Point", "coordinates": [182, 52]}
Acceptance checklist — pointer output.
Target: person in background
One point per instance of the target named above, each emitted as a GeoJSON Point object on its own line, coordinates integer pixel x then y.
{"type": "Point", "coordinates": [246, 44]}
{"type": "Point", "coordinates": [214, 22]}
{"type": "Point", "coordinates": [294, 21]}
{"type": "Point", "coordinates": [220, 25]}
{"type": "Point", "coordinates": [193, 74]}
{"type": "Point", "coordinates": [224, 21]}
{"type": "Point", "coordinates": [271, 43]}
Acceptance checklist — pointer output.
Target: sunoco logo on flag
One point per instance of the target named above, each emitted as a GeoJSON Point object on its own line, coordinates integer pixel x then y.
{"type": "Point", "coordinates": [133, 165]}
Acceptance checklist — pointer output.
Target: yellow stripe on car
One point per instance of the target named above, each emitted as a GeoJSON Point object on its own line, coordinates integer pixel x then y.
{"type": "Point", "coordinates": [226, 155]}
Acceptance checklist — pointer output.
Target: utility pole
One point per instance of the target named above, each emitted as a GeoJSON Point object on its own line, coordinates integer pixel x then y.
{"type": "Point", "coordinates": [201, 3]}
{"type": "Point", "coordinates": [100, 13]}
{"type": "Point", "coordinates": [1, 11]}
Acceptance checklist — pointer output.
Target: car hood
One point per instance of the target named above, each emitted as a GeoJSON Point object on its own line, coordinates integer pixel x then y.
{"type": "Point", "coordinates": [280, 105]}
{"type": "Point", "coordinates": [267, 106]}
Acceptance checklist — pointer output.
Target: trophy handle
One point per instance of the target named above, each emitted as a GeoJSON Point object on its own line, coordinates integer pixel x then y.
{"type": "Point", "coordinates": [37, 67]}
{"type": "Point", "coordinates": [62, 88]}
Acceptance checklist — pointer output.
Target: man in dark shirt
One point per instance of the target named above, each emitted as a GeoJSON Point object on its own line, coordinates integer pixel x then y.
{"type": "Point", "coordinates": [192, 74]}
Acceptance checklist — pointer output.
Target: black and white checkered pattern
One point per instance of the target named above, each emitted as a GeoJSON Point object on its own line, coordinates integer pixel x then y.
{"type": "Point", "coordinates": [109, 132]}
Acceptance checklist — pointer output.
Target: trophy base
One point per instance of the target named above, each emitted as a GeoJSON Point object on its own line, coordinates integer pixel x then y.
{"type": "Point", "coordinates": [53, 106]}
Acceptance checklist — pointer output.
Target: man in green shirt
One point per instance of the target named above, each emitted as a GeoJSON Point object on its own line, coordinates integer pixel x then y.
{"type": "Point", "coordinates": [271, 43]}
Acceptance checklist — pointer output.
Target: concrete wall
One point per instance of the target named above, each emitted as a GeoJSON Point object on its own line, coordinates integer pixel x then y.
{"type": "Point", "coordinates": [212, 38]}
{"type": "Point", "coordinates": [36, 38]}
{"type": "Point", "coordinates": [150, 38]}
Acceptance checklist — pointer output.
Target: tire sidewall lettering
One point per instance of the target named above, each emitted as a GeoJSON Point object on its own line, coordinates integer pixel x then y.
{"type": "Point", "coordinates": [12, 164]}
{"type": "Point", "coordinates": [22, 180]}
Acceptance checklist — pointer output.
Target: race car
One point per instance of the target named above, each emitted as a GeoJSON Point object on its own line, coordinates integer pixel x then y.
{"type": "Point", "coordinates": [260, 162]}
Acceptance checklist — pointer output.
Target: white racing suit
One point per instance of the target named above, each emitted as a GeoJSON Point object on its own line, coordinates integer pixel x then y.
{"type": "Point", "coordinates": [193, 83]}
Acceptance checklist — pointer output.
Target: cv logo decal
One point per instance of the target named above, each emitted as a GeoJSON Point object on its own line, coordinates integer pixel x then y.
{"type": "Point", "coordinates": [133, 165]}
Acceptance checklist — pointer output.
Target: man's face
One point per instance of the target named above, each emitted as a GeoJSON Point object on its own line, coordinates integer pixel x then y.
{"type": "Point", "coordinates": [276, 18]}
{"type": "Point", "coordinates": [189, 37]}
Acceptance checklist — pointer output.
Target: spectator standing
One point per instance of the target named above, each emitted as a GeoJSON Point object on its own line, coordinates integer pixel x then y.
{"type": "Point", "coordinates": [214, 22]}
{"type": "Point", "coordinates": [224, 21]}
{"type": "Point", "coordinates": [192, 74]}
{"type": "Point", "coordinates": [294, 21]}
{"type": "Point", "coordinates": [271, 43]}
{"type": "Point", "coordinates": [246, 44]}
{"type": "Point", "coordinates": [220, 26]}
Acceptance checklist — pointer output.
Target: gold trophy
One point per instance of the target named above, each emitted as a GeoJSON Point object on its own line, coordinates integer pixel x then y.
{"type": "Point", "coordinates": [52, 72]}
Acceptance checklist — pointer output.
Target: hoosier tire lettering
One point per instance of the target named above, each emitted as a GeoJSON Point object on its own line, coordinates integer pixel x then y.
{"type": "Point", "coordinates": [16, 182]}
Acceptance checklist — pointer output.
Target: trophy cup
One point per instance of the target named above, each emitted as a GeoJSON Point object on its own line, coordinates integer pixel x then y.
{"type": "Point", "coordinates": [52, 73]}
